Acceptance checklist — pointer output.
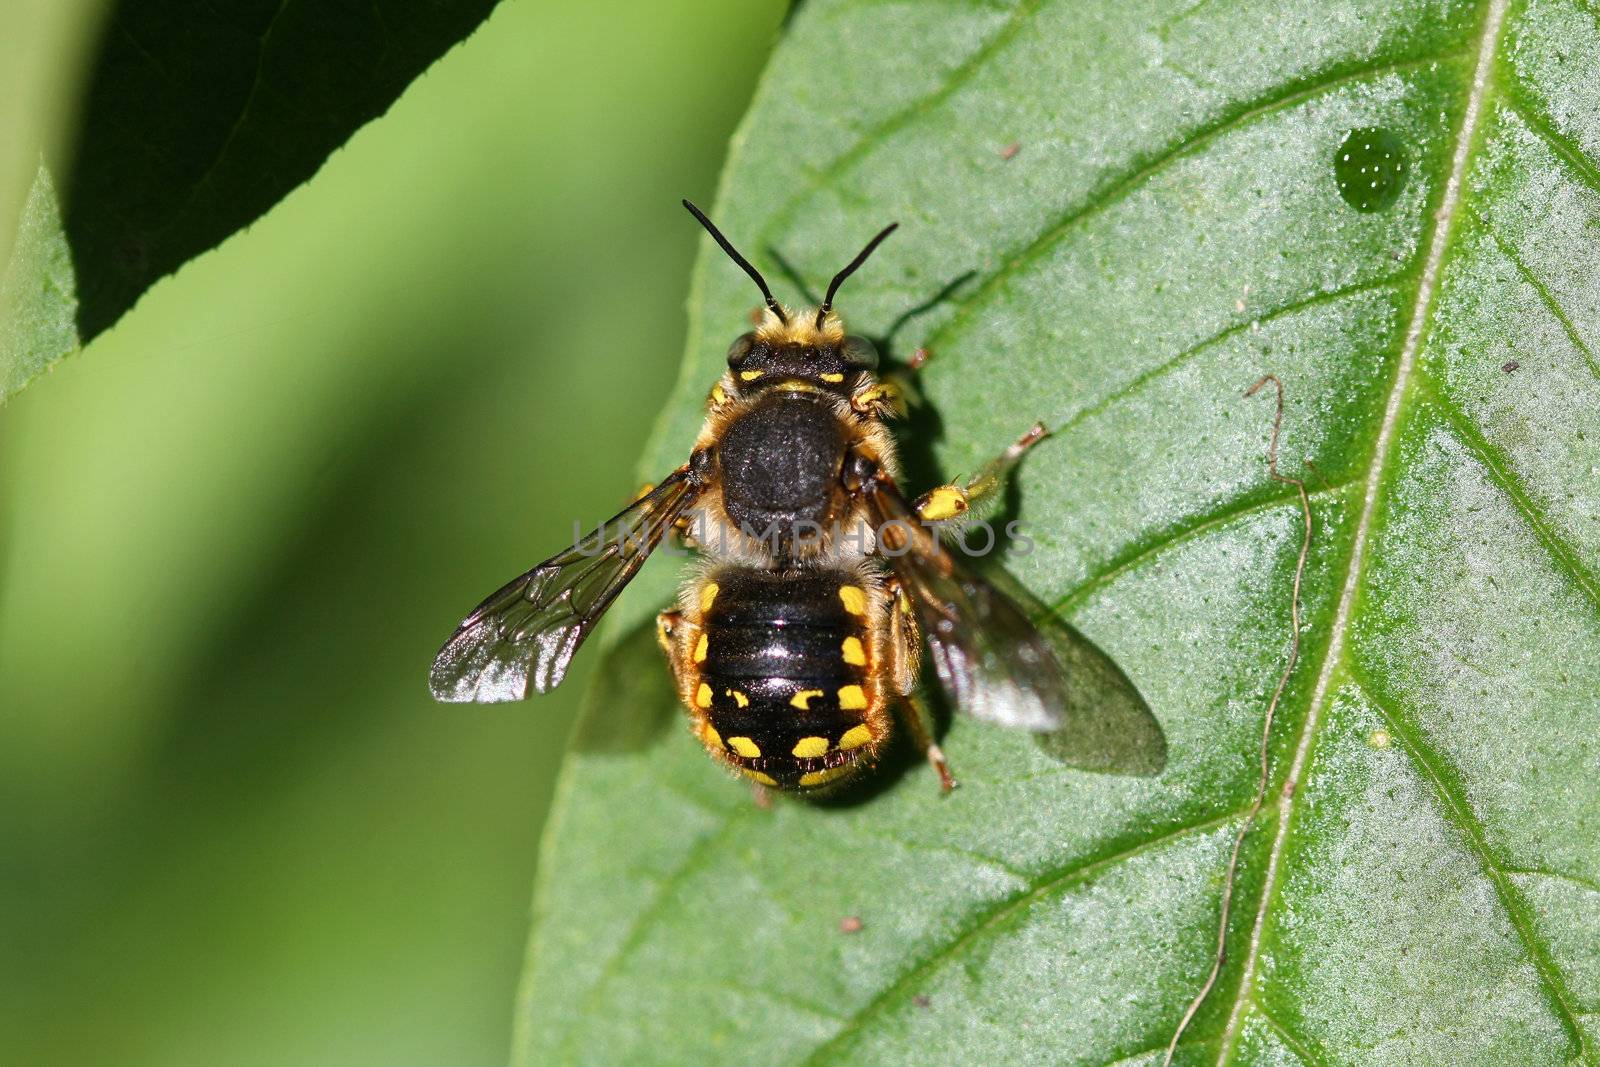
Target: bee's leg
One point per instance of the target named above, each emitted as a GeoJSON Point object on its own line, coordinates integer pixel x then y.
{"type": "Point", "coordinates": [915, 715]}
{"type": "Point", "coordinates": [902, 644]}
{"type": "Point", "coordinates": [945, 502]}
{"type": "Point", "coordinates": [670, 629]}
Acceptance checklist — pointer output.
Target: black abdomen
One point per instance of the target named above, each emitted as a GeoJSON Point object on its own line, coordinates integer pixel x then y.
{"type": "Point", "coordinates": [784, 676]}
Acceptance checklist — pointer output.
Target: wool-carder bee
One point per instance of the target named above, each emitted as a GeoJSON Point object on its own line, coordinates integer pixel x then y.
{"type": "Point", "coordinates": [799, 633]}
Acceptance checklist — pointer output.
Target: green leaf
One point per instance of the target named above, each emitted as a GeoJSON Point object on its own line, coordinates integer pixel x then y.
{"type": "Point", "coordinates": [198, 117]}
{"type": "Point", "coordinates": [1153, 202]}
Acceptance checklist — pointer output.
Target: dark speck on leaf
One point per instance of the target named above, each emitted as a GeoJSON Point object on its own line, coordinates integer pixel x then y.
{"type": "Point", "coordinates": [921, 1001]}
{"type": "Point", "coordinates": [1011, 149]}
{"type": "Point", "coordinates": [850, 924]}
{"type": "Point", "coordinates": [1509, 365]}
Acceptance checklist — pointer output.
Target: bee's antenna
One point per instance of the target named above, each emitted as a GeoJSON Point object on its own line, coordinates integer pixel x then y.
{"type": "Point", "coordinates": [733, 254]}
{"type": "Point", "coordinates": [838, 279]}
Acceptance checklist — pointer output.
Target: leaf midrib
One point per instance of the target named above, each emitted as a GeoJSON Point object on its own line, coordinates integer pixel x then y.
{"type": "Point", "coordinates": [1334, 662]}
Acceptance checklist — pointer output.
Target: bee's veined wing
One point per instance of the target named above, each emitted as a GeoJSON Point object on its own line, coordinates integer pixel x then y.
{"type": "Point", "coordinates": [523, 636]}
{"type": "Point", "coordinates": [992, 660]}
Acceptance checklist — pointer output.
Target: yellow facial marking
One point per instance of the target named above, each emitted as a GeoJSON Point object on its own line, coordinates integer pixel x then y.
{"type": "Point", "coordinates": [810, 747]}
{"type": "Point", "coordinates": [834, 379]}
{"type": "Point", "coordinates": [708, 595]}
{"type": "Point", "coordinates": [714, 739]}
{"type": "Point", "coordinates": [855, 599]}
{"type": "Point", "coordinates": [855, 737]}
{"type": "Point", "coordinates": [801, 699]}
{"type": "Point", "coordinates": [759, 776]}
{"type": "Point", "coordinates": [739, 698]}
{"type": "Point", "coordinates": [751, 375]}
{"type": "Point", "coordinates": [851, 698]}
{"type": "Point", "coordinates": [854, 654]}
{"type": "Point", "coordinates": [702, 696]}
{"type": "Point", "coordinates": [700, 648]}
{"type": "Point", "coordinates": [823, 777]}
{"type": "Point", "coordinates": [945, 502]}
{"type": "Point", "coordinates": [745, 747]}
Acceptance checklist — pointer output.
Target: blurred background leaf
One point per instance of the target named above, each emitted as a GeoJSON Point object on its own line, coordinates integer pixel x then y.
{"type": "Point", "coordinates": [232, 535]}
{"type": "Point", "coordinates": [197, 116]}
{"type": "Point", "coordinates": [1393, 206]}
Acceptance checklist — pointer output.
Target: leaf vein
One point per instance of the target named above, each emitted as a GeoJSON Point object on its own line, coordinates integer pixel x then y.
{"type": "Point", "coordinates": [1431, 765]}
{"type": "Point", "coordinates": [1543, 290]}
{"type": "Point", "coordinates": [1140, 554]}
{"type": "Point", "coordinates": [1562, 555]}
{"type": "Point", "coordinates": [823, 176]}
{"type": "Point", "coordinates": [1121, 187]}
{"type": "Point", "coordinates": [1494, 16]}
{"type": "Point", "coordinates": [990, 917]}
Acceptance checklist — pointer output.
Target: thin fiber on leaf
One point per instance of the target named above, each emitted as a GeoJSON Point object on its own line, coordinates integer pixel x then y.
{"type": "Point", "coordinates": [1178, 220]}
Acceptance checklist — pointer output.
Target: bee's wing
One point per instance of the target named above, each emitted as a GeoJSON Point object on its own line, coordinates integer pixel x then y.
{"type": "Point", "coordinates": [523, 636]}
{"type": "Point", "coordinates": [993, 662]}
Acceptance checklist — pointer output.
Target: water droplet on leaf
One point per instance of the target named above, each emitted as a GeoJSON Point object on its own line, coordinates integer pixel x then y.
{"type": "Point", "coordinates": [1369, 167]}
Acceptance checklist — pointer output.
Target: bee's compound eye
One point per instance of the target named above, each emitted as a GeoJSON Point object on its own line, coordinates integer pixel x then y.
{"type": "Point", "coordinates": [860, 352]}
{"type": "Point", "coordinates": [740, 348]}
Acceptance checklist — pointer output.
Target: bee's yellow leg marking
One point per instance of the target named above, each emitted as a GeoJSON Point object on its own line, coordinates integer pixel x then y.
{"type": "Point", "coordinates": [700, 649]}
{"type": "Point", "coordinates": [855, 599]}
{"type": "Point", "coordinates": [851, 698]}
{"type": "Point", "coordinates": [855, 737]}
{"type": "Point", "coordinates": [854, 654]}
{"type": "Point", "coordinates": [739, 697]}
{"type": "Point", "coordinates": [759, 776]}
{"type": "Point", "coordinates": [708, 596]}
{"type": "Point", "coordinates": [711, 736]}
{"type": "Point", "coordinates": [702, 696]}
{"type": "Point", "coordinates": [666, 622]}
{"type": "Point", "coordinates": [810, 747]}
{"type": "Point", "coordinates": [745, 747]}
{"type": "Point", "coordinates": [802, 699]}
{"type": "Point", "coordinates": [879, 399]}
{"type": "Point", "coordinates": [941, 503]}
{"type": "Point", "coordinates": [814, 778]}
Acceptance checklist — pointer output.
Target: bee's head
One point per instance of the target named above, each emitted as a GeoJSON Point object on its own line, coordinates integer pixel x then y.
{"type": "Point", "coordinates": [780, 351]}
{"type": "Point", "coordinates": [786, 347]}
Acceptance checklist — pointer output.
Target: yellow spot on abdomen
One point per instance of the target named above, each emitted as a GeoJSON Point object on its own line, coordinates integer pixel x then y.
{"type": "Point", "coordinates": [708, 596]}
{"type": "Point", "coordinates": [759, 776]}
{"type": "Point", "coordinates": [719, 395]}
{"type": "Point", "coordinates": [810, 747]}
{"type": "Point", "coordinates": [856, 736]}
{"type": "Point", "coordinates": [711, 736]}
{"type": "Point", "coordinates": [851, 698]}
{"type": "Point", "coordinates": [702, 696]}
{"type": "Point", "coordinates": [801, 699]}
{"type": "Point", "coordinates": [855, 599]}
{"type": "Point", "coordinates": [815, 778]}
{"type": "Point", "coordinates": [854, 654]}
{"type": "Point", "coordinates": [833, 378]}
{"type": "Point", "coordinates": [700, 649]}
{"type": "Point", "coordinates": [739, 698]}
{"type": "Point", "coordinates": [751, 375]}
{"type": "Point", "coordinates": [745, 747]}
